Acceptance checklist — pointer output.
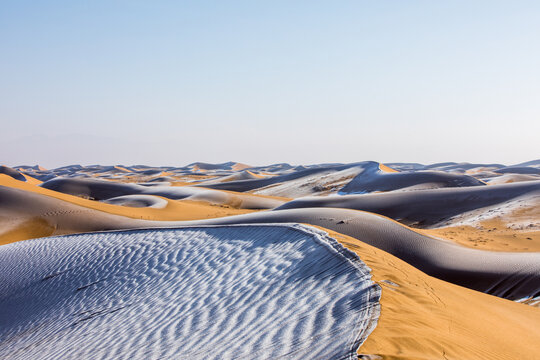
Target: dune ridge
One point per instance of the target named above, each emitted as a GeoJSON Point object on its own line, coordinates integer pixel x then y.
{"type": "Point", "coordinates": [449, 244]}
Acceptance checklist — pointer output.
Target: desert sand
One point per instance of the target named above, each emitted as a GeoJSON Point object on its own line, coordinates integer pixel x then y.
{"type": "Point", "coordinates": [454, 247]}
{"type": "Point", "coordinates": [426, 318]}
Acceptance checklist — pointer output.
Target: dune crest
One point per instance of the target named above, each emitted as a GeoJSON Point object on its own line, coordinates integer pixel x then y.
{"type": "Point", "coordinates": [449, 245]}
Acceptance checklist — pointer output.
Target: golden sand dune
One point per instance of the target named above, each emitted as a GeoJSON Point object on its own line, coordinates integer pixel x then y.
{"type": "Point", "coordinates": [361, 177]}
{"type": "Point", "coordinates": [427, 207]}
{"type": "Point", "coordinates": [103, 190]}
{"type": "Point", "coordinates": [421, 317]}
{"type": "Point", "coordinates": [426, 318]}
{"type": "Point", "coordinates": [468, 236]}
{"type": "Point", "coordinates": [484, 271]}
{"type": "Point", "coordinates": [28, 211]}
{"type": "Point", "coordinates": [6, 170]}
{"type": "Point", "coordinates": [515, 230]}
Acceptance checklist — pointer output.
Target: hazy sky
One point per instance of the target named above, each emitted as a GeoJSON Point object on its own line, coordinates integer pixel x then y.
{"type": "Point", "coordinates": [172, 82]}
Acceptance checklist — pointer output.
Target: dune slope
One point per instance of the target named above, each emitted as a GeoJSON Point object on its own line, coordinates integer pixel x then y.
{"type": "Point", "coordinates": [509, 275]}
{"type": "Point", "coordinates": [104, 190]}
{"type": "Point", "coordinates": [425, 207]}
{"type": "Point", "coordinates": [423, 318]}
{"type": "Point", "coordinates": [227, 292]}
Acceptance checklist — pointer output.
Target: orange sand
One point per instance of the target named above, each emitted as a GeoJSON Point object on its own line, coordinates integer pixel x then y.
{"type": "Point", "coordinates": [31, 180]}
{"type": "Point", "coordinates": [426, 318]}
{"type": "Point", "coordinates": [28, 229]}
{"type": "Point", "coordinates": [175, 209]}
{"type": "Point", "coordinates": [491, 235]}
{"type": "Point", "coordinates": [240, 166]}
{"type": "Point", "coordinates": [387, 169]}
{"type": "Point", "coordinates": [255, 174]}
{"type": "Point", "coordinates": [497, 234]}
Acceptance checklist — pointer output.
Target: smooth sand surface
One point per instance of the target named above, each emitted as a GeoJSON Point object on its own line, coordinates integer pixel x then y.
{"type": "Point", "coordinates": [6, 170]}
{"type": "Point", "coordinates": [510, 275]}
{"type": "Point", "coordinates": [103, 190]}
{"type": "Point", "coordinates": [29, 211]}
{"type": "Point", "coordinates": [139, 201]}
{"type": "Point", "coordinates": [424, 318]}
{"type": "Point", "coordinates": [510, 178]}
{"type": "Point", "coordinates": [425, 207]}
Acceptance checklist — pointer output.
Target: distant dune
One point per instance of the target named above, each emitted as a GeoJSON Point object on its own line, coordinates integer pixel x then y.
{"type": "Point", "coordinates": [447, 246]}
{"type": "Point", "coordinates": [426, 207]}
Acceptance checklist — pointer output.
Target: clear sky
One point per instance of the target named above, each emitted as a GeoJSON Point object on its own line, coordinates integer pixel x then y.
{"type": "Point", "coordinates": [173, 82]}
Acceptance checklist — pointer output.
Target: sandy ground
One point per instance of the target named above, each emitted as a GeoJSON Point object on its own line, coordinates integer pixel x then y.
{"type": "Point", "coordinates": [434, 207]}
{"type": "Point", "coordinates": [426, 318]}
{"type": "Point", "coordinates": [510, 275]}
{"type": "Point", "coordinates": [515, 228]}
{"type": "Point", "coordinates": [483, 237]}
{"type": "Point", "coordinates": [99, 189]}
{"type": "Point", "coordinates": [28, 211]}
{"type": "Point", "coordinates": [175, 210]}
{"type": "Point", "coordinates": [492, 235]}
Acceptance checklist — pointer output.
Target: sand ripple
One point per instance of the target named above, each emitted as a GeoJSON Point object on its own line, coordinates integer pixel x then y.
{"type": "Point", "coordinates": [249, 291]}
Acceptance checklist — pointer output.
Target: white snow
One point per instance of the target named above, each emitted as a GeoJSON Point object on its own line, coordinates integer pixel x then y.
{"type": "Point", "coordinates": [321, 183]}
{"type": "Point", "coordinates": [230, 292]}
{"type": "Point", "coordinates": [501, 210]}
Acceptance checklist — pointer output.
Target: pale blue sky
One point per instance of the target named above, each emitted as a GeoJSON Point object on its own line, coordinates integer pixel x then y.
{"type": "Point", "coordinates": [172, 82]}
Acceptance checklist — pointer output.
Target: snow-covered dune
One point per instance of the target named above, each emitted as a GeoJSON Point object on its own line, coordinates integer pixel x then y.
{"type": "Point", "coordinates": [104, 190]}
{"type": "Point", "coordinates": [426, 207]}
{"type": "Point", "coordinates": [249, 291]}
{"type": "Point", "coordinates": [138, 201]}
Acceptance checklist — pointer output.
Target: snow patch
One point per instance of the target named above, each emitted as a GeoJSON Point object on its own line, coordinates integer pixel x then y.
{"type": "Point", "coordinates": [227, 292]}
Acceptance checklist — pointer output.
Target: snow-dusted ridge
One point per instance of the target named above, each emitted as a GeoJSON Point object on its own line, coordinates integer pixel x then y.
{"type": "Point", "coordinates": [237, 291]}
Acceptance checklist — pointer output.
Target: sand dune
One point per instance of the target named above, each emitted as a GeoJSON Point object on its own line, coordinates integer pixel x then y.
{"type": "Point", "coordinates": [437, 175]}
{"type": "Point", "coordinates": [28, 211]}
{"type": "Point", "coordinates": [103, 190]}
{"type": "Point", "coordinates": [138, 201]}
{"type": "Point", "coordinates": [465, 232]}
{"type": "Point", "coordinates": [510, 178]}
{"type": "Point", "coordinates": [426, 318]}
{"type": "Point", "coordinates": [248, 185]}
{"type": "Point", "coordinates": [510, 226]}
{"type": "Point", "coordinates": [532, 163]}
{"type": "Point", "coordinates": [318, 183]}
{"type": "Point", "coordinates": [518, 170]}
{"type": "Point", "coordinates": [360, 177]}
{"type": "Point", "coordinates": [243, 292]}
{"type": "Point", "coordinates": [510, 275]}
{"type": "Point", "coordinates": [26, 215]}
{"type": "Point", "coordinates": [426, 207]}
{"type": "Point", "coordinates": [421, 317]}
{"type": "Point", "coordinates": [372, 179]}
{"type": "Point", "coordinates": [241, 175]}
{"type": "Point", "coordinates": [12, 172]}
